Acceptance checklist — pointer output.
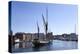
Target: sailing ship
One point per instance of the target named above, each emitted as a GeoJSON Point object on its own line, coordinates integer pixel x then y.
{"type": "Point", "coordinates": [46, 40]}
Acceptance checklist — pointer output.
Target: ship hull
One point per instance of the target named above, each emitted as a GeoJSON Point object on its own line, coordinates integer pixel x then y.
{"type": "Point", "coordinates": [38, 43]}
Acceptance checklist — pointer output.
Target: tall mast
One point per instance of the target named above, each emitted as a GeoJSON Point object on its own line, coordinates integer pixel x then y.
{"type": "Point", "coordinates": [46, 20]}
{"type": "Point", "coordinates": [38, 29]}
{"type": "Point", "coordinates": [47, 15]}
{"type": "Point", "coordinates": [44, 23]}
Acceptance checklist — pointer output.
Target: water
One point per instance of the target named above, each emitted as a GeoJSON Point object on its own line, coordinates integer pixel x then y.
{"type": "Point", "coordinates": [55, 45]}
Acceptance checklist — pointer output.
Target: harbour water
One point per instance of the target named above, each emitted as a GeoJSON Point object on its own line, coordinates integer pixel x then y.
{"type": "Point", "coordinates": [55, 45]}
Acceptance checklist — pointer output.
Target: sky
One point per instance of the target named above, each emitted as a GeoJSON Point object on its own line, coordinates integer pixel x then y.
{"type": "Point", "coordinates": [62, 18]}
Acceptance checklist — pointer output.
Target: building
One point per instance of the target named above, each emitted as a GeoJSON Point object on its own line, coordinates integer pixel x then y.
{"type": "Point", "coordinates": [67, 37]}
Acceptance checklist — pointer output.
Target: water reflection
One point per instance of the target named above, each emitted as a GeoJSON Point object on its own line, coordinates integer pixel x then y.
{"type": "Point", "coordinates": [55, 45]}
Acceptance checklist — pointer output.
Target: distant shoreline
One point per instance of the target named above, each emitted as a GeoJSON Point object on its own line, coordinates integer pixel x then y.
{"type": "Point", "coordinates": [66, 40]}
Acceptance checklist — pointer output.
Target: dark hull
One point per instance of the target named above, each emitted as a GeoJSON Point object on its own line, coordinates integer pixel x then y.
{"type": "Point", "coordinates": [38, 43]}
